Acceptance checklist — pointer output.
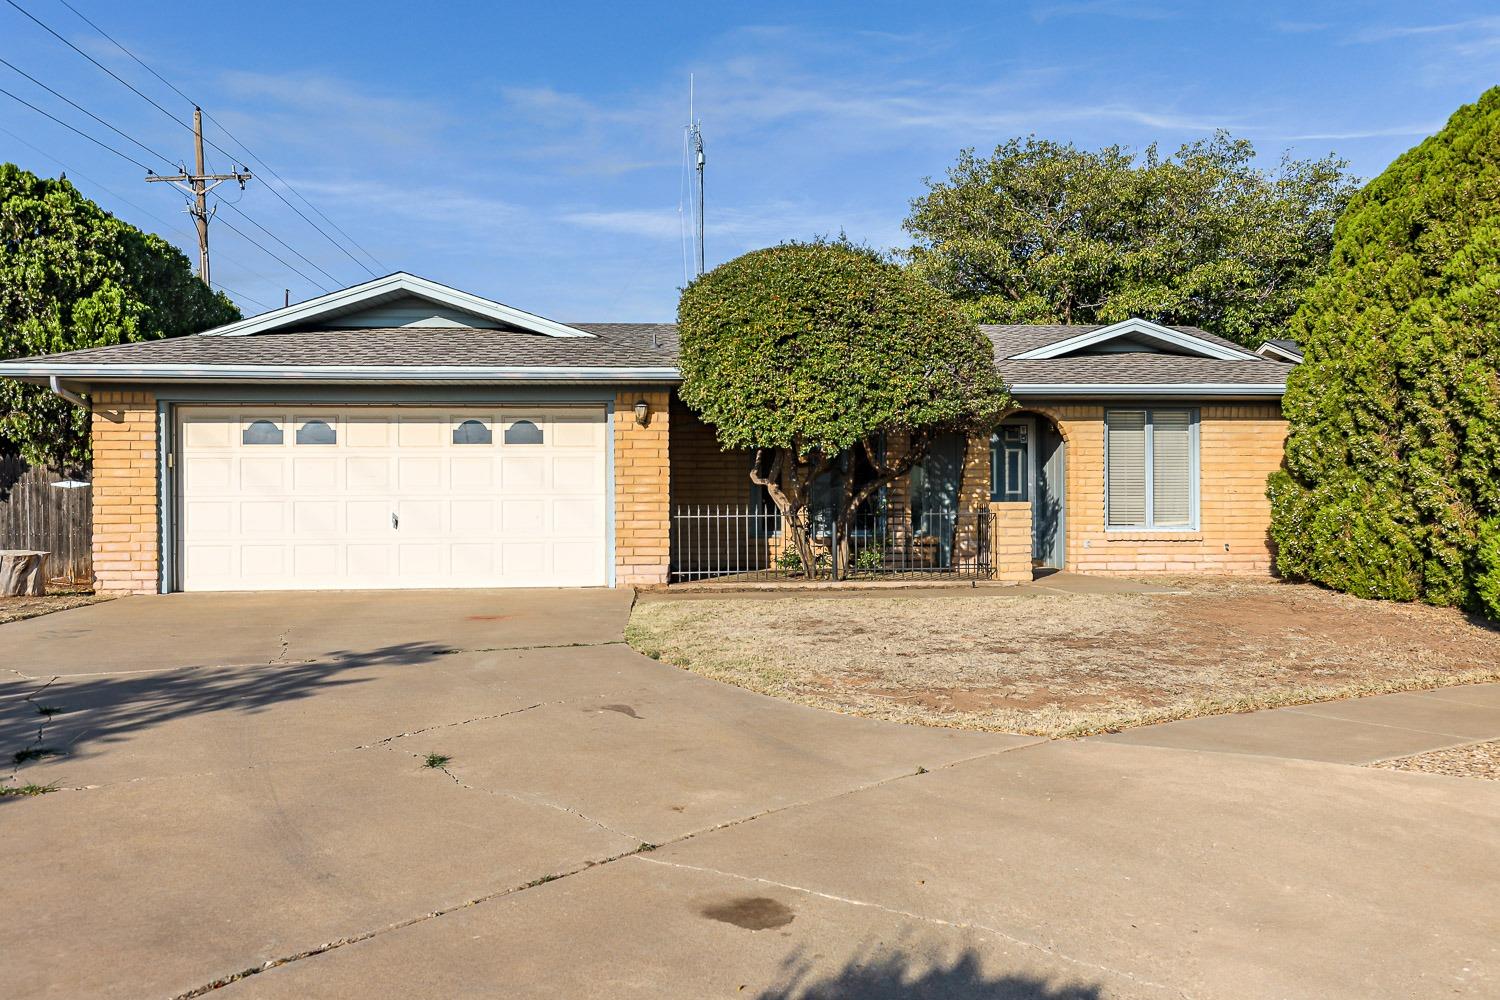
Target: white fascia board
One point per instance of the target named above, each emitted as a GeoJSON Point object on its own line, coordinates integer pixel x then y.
{"type": "Point", "coordinates": [337, 373]}
{"type": "Point", "coordinates": [1142, 328]}
{"type": "Point", "coordinates": [1147, 389]}
{"type": "Point", "coordinates": [344, 298]}
{"type": "Point", "coordinates": [1268, 349]}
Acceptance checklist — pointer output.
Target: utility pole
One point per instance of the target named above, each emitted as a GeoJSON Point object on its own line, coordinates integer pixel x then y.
{"type": "Point", "coordinates": [199, 184]}
{"type": "Point", "coordinates": [695, 134]}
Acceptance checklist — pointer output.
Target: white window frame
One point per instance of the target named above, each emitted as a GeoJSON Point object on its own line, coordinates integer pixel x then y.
{"type": "Point", "coordinates": [1194, 464]}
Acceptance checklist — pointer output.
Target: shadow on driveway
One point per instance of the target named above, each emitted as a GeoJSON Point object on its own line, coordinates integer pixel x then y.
{"type": "Point", "coordinates": [898, 977]}
{"type": "Point", "coordinates": [43, 720]}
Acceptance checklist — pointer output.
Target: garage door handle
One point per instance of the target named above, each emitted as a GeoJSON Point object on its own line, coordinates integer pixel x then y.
{"type": "Point", "coordinates": [395, 521]}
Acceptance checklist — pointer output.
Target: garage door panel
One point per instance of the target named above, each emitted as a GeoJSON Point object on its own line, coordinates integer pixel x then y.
{"type": "Point", "coordinates": [315, 475]}
{"type": "Point", "coordinates": [305, 499]}
{"type": "Point", "coordinates": [367, 474]}
{"type": "Point", "coordinates": [315, 518]}
{"type": "Point", "coordinates": [317, 562]}
{"type": "Point", "coordinates": [209, 518]}
{"type": "Point", "coordinates": [263, 517]}
{"type": "Point", "coordinates": [523, 473]}
{"type": "Point", "coordinates": [577, 474]}
{"type": "Point", "coordinates": [264, 476]}
{"type": "Point", "coordinates": [210, 474]}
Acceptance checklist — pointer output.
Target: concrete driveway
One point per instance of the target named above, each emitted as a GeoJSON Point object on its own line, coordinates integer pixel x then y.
{"type": "Point", "coordinates": [243, 803]}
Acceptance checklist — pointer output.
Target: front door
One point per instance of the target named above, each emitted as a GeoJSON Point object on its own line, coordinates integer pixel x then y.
{"type": "Point", "coordinates": [1026, 466]}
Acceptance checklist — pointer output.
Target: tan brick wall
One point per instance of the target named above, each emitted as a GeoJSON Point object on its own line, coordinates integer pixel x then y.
{"type": "Point", "coordinates": [126, 528]}
{"type": "Point", "coordinates": [702, 472]}
{"type": "Point", "coordinates": [1010, 540]}
{"type": "Point", "coordinates": [643, 486]}
{"type": "Point", "coordinates": [1240, 444]}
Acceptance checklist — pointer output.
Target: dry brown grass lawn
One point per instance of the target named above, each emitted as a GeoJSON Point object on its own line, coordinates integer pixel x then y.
{"type": "Point", "coordinates": [1056, 664]}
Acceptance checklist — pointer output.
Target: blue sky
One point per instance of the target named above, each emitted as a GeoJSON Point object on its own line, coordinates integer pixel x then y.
{"type": "Point", "coordinates": [534, 152]}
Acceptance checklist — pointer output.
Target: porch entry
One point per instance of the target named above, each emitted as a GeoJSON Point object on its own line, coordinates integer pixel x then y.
{"type": "Point", "coordinates": [1027, 464]}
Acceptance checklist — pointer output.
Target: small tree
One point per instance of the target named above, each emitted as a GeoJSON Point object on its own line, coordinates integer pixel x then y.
{"type": "Point", "coordinates": [74, 276]}
{"type": "Point", "coordinates": [802, 352]}
{"type": "Point", "coordinates": [1044, 232]}
{"type": "Point", "coordinates": [1392, 479]}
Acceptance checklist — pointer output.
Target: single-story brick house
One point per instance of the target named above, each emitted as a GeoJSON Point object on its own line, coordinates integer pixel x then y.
{"type": "Point", "coordinates": [401, 433]}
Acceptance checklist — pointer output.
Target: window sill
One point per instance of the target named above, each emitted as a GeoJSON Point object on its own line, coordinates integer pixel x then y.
{"type": "Point", "coordinates": [1153, 535]}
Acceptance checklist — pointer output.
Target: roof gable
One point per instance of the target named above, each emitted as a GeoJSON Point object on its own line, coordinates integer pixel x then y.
{"type": "Point", "coordinates": [1142, 333]}
{"type": "Point", "coordinates": [396, 300]}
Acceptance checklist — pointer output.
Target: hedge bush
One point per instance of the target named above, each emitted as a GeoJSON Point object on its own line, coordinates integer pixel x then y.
{"type": "Point", "coordinates": [1392, 480]}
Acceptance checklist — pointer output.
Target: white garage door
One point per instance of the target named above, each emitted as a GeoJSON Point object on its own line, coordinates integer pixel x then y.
{"type": "Point", "coordinates": [385, 497]}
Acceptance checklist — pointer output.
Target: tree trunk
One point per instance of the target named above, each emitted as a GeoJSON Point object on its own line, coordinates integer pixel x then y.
{"type": "Point", "coordinates": [23, 573]}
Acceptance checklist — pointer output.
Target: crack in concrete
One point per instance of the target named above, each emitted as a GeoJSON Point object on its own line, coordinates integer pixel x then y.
{"type": "Point", "coordinates": [525, 799]}
{"type": "Point", "coordinates": [285, 642]}
{"type": "Point", "coordinates": [544, 645]}
{"type": "Point", "coordinates": [41, 730]}
{"type": "Point", "coordinates": [328, 946]}
{"type": "Point", "coordinates": [1046, 949]}
{"type": "Point", "coordinates": [447, 725]}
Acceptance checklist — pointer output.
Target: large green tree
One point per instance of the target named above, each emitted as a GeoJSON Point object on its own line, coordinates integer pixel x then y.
{"type": "Point", "coordinates": [74, 276]}
{"type": "Point", "coordinates": [803, 352]}
{"type": "Point", "coordinates": [1045, 232]}
{"type": "Point", "coordinates": [1392, 480]}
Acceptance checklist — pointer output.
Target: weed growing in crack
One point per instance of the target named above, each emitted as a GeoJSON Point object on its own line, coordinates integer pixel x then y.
{"type": "Point", "coordinates": [540, 881]}
{"type": "Point", "coordinates": [436, 760]}
{"type": "Point", "coordinates": [30, 788]}
{"type": "Point", "coordinates": [34, 753]}
{"type": "Point", "coordinates": [646, 848]}
{"type": "Point", "coordinates": [48, 710]}
{"type": "Point", "coordinates": [921, 770]}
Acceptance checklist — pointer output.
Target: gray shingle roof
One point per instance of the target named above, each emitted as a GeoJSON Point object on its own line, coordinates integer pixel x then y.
{"type": "Point", "coordinates": [613, 345]}
{"type": "Point", "coordinates": [634, 345]}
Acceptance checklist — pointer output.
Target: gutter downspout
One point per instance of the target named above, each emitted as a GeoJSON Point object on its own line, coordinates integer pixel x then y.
{"type": "Point", "coordinates": [72, 397]}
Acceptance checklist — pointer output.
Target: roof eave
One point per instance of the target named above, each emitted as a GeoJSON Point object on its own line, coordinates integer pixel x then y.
{"type": "Point", "coordinates": [313, 374]}
{"type": "Point", "coordinates": [1175, 389]}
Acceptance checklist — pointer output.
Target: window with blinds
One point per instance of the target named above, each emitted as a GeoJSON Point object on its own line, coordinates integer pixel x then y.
{"type": "Point", "coordinates": [1151, 461]}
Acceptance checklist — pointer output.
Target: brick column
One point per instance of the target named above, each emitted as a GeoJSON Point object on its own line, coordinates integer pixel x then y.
{"type": "Point", "coordinates": [126, 529]}
{"type": "Point", "coordinates": [643, 517]}
{"type": "Point", "coordinates": [974, 486]}
{"type": "Point", "coordinates": [1010, 544]}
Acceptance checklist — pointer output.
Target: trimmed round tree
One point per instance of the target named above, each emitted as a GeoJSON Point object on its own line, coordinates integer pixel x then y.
{"type": "Point", "coordinates": [1392, 479]}
{"type": "Point", "coordinates": [802, 352]}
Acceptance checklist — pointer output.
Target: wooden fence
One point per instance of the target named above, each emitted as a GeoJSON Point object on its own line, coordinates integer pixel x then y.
{"type": "Point", "coordinates": [34, 514]}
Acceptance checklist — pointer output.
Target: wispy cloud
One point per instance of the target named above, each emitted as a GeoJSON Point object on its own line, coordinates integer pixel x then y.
{"type": "Point", "coordinates": [1383, 33]}
{"type": "Point", "coordinates": [1370, 133]}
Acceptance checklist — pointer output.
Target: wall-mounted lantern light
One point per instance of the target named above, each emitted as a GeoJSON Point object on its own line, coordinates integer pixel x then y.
{"type": "Point", "coordinates": [642, 412]}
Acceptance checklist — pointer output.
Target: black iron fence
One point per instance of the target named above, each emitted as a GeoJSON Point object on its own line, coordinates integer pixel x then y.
{"type": "Point", "coordinates": [732, 544]}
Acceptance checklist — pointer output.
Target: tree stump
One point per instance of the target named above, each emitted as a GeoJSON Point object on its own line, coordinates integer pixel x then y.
{"type": "Point", "coordinates": [23, 573]}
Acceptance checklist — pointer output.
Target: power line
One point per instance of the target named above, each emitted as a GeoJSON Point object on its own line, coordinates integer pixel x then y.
{"type": "Point", "coordinates": [241, 213]}
{"type": "Point", "coordinates": [78, 107]}
{"type": "Point", "coordinates": [97, 142]}
{"type": "Point", "coordinates": [246, 149]}
{"type": "Point", "coordinates": [242, 235]}
{"type": "Point", "coordinates": [42, 24]}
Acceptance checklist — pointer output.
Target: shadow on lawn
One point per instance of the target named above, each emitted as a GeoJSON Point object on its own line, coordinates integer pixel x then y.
{"type": "Point", "coordinates": [898, 976]}
{"type": "Point", "coordinates": [74, 715]}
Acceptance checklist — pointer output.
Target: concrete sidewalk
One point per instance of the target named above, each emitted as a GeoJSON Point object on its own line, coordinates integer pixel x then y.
{"type": "Point", "coordinates": [1356, 731]}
